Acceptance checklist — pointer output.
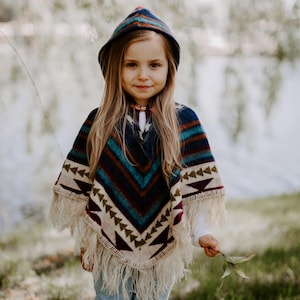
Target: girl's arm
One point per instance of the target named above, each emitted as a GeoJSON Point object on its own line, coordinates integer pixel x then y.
{"type": "Point", "coordinates": [203, 238]}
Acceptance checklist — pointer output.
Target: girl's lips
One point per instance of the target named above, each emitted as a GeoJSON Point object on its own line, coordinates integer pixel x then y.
{"type": "Point", "coordinates": [142, 86]}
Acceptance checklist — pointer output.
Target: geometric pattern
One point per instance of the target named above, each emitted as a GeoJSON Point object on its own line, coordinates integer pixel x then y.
{"type": "Point", "coordinates": [129, 203]}
{"type": "Point", "coordinates": [74, 177]}
{"type": "Point", "coordinates": [199, 179]}
{"type": "Point", "coordinates": [135, 239]}
{"type": "Point", "coordinates": [136, 188]}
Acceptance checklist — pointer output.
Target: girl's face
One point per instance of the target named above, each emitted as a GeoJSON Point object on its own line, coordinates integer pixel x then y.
{"type": "Point", "coordinates": [145, 68]}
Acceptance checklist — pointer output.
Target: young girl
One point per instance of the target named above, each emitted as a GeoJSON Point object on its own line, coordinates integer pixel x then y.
{"type": "Point", "coordinates": [140, 185]}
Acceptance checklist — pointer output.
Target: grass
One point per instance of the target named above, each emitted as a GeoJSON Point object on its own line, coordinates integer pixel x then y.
{"type": "Point", "coordinates": [273, 275]}
{"type": "Point", "coordinates": [270, 228]}
{"type": "Point", "coordinates": [37, 262]}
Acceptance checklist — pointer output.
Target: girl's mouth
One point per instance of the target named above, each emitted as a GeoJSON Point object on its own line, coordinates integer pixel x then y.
{"type": "Point", "coordinates": [142, 86]}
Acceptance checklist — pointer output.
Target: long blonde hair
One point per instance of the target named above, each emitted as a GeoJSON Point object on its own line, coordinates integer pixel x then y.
{"type": "Point", "coordinates": [115, 107]}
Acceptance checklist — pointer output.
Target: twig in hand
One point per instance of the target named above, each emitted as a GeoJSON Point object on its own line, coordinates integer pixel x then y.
{"type": "Point", "coordinates": [231, 262]}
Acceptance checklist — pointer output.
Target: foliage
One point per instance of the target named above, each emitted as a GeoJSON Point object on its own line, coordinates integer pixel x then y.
{"type": "Point", "coordinates": [266, 29]}
{"type": "Point", "coordinates": [12, 270]}
{"type": "Point", "coordinates": [231, 262]}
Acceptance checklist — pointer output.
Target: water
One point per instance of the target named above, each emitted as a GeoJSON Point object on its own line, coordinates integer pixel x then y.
{"type": "Point", "coordinates": [266, 158]}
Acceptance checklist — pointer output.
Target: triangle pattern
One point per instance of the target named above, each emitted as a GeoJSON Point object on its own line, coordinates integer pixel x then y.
{"type": "Point", "coordinates": [121, 244]}
{"type": "Point", "coordinates": [162, 238]}
{"type": "Point", "coordinates": [199, 186]}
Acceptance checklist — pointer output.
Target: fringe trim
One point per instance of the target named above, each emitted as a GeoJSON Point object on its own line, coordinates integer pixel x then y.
{"type": "Point", "coordinates": [211, 204]}
{"type": "Point", "coordinates": [149, 282]}
{"type": "Point", "coordinates": [66, 208]}
{"type": "Point", "coordinates": [133, 262]}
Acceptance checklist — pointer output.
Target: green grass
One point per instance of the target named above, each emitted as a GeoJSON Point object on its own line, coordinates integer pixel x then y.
{"type": "Point", "coordinates": [273, 275]}
{"type": "Point", "coordinates": [37, 263]}
{"type": "Point", "coordinates": [272, 233]}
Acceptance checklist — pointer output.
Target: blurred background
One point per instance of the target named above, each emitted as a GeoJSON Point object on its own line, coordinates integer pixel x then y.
{"type": "Point", "coordinates": [240, 70]}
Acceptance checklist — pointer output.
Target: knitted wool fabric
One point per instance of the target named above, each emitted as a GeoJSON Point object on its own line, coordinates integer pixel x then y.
{"type": "Point", "coordinates": [139, 19]}
{"type": "Point", "coordinates": [129, 221]}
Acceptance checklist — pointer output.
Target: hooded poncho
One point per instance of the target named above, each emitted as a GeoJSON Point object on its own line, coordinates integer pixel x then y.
{"type": "Point", "coordinates": [139, 19]}
{"type": "Point", "coordinates": [129, 220]}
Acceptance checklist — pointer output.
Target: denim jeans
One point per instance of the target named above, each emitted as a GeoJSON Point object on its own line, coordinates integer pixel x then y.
{"type": "Point", "coordinates": [100, 295]}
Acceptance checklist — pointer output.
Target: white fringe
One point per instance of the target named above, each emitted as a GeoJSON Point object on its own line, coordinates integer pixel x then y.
{"type": "Point", "coordinates": [149, 282]}
{"type": "Point", "coordinates": [66, 209]}
{"type": "Point", "coordinates": [210, 204]}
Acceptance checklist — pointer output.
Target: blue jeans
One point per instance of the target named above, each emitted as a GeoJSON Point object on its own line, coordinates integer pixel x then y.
{"type": "Point", "coordinates": [100, 295]}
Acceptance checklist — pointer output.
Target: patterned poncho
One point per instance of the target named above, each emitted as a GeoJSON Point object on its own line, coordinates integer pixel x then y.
{"type": "Point", "coordinates": [129, 221]}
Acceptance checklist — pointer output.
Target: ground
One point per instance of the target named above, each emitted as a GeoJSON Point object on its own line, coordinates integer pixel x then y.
{"type": "Point", "coordinates": [37, 262]}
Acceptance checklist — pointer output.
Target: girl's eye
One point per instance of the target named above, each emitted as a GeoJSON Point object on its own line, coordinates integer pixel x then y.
{"type": "Point", "coordinates": [130, 64]}
{"type": "Point", "coordinates": [155, 65]}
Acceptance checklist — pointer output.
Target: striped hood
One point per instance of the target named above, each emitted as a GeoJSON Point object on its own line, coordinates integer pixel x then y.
{"type": "Point", "coordinates": [139, 19]}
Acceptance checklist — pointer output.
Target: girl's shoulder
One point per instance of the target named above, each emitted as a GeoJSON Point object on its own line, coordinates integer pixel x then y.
{"type": "Point", "coordinates": [185, 114]}
{"type": "Point", "coordinates": [92, 114]}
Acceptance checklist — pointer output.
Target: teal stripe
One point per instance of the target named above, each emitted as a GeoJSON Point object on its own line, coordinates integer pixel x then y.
{"type": "Point", "coordinates": [191, 132]}
{"type": "Point", "coordinates": [122, 200]}
{"type": "Point", "coordinates": [115, 191]}
{"type": "Point", "coordinates": [195, 157]}
{"type": "Point", "coordinates": [141, 180]}
{"type": "Point", "coordinates": [85, 129]}
{"type": "Point", "coordinates": [142, 20]}
{"type": "Point", "coordinates": [79, 155]}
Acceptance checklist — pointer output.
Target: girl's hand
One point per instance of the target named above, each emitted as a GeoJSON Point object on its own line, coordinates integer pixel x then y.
{"type": "Point", "coordinates": [210, 245]}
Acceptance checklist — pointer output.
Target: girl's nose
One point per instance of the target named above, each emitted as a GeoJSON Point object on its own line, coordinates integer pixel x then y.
{"type": "Point", "coordinates": [143, 74]}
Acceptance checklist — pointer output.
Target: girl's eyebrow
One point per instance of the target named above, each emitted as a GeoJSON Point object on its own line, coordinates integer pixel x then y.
{"type": "Point", "coordinates": [156, 60]}
{"type": "Point", "coordinates": [151, 60]}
